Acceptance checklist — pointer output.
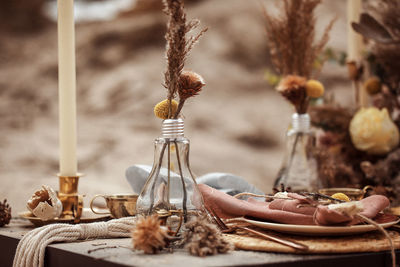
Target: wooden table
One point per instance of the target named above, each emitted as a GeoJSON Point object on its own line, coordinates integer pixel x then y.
{"type": "Point", "coordinates": [117, 252]}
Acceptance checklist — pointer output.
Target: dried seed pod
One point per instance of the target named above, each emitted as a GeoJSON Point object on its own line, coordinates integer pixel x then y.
{"type": "Point", "coordinates": [190, 84]}
{"type": "Point", "coordinates": [5, 213]}
{"type": "Point", "coordinates": [45, 204]}
{"type": "Point", "coordinates": [293, 88]}
{"type": "Point", "coordinates": [162, 108]}
{"type": "Point", "coordinates": [373, 85]}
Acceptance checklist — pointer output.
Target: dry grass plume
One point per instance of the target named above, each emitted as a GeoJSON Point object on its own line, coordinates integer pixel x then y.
{"type": "Point", "coordinates": [291, 35]}
{"type": "Point", "coordinates": [179, 44]}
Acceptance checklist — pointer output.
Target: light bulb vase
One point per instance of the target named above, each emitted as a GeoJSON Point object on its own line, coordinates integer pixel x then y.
{"type": "Point", "coordinates": [171, 191]}
{"type": "Point", "coordinates": [299, 167]}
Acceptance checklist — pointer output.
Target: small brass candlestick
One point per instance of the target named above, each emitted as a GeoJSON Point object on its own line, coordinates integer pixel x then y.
{"type": "Point", "coordinates": [68, 194]}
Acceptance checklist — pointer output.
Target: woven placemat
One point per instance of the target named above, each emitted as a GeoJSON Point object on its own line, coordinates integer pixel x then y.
{"type": "Point", "coordinates": [368, 242]}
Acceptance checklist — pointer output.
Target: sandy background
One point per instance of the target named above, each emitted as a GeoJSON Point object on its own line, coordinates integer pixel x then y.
{"type": "Point", "coordinates": [236, 124]}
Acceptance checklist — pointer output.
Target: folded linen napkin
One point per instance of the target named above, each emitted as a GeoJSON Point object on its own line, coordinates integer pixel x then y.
{"type": "Point", "coordinates": [289, 211]}
{"type": "Point", "coordinates": [226, 182]}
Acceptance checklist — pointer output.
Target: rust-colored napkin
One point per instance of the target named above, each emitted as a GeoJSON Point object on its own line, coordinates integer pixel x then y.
{"type": "Point", "coordinates": [289, 211]}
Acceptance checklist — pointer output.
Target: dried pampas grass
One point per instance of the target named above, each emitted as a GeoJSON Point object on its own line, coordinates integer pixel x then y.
{"type": "Point", "coordinates": [203, 238]}
{"type": "Point", "coordinates": [291, 35]}
{"type": "Point", "coordinates": [178, 45]}
{"type": "Point", "coordinates": [148, 235]}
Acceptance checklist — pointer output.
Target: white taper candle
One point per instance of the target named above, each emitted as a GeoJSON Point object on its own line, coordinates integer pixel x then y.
{"type": "Point", "coordinates": [67, 87]}
{"type": "Point", "coordinates": [354, 40]}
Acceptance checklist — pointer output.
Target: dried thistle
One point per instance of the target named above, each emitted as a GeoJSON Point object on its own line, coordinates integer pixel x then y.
{"type": "Point", "coordinates": [293, 88]}
{"type": "Point", "coordinates": [203, 238]}
{"type": "Point", "coordinates": [178, 45]}
{"type": "Point", "coordinates": [291, 35]}
{"type": "Point", "coordinates": [190, 84]}
{"type": "Point", "coordinates": [148, 235]}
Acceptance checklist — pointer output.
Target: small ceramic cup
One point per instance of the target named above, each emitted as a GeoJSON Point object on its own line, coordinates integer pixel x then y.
{"type": "Point", "coordinates": [352, 193]}
{"type": "Point", "coordinates": [119, 205]}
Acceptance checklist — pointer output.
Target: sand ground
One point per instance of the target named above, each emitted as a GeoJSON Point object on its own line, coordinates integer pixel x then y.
{"type": "Point", "coordinates": [235, 125]}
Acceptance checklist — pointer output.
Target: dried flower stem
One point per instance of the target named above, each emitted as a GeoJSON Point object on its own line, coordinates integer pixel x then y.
{"type": "Point", "coordinates": [175, 36]}
{"type": "Point", "coordinates": [157, 176]}
{"type": "Point", "coordinates": [356, 88]}
{"type": "Point", "coordinates": [169, 168]}
{"type": "Point", "coordinates": [179, 109]}
{"type": "Point", "coordinates": [183, 182]}
{"type": "Point", "coordinates": [296, 140]}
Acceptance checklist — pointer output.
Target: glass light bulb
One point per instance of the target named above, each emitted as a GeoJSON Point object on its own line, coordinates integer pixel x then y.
{"type": "Point", "coordinates": [171, 190]}
{"type": "Point", "coordinates": [299, 167]}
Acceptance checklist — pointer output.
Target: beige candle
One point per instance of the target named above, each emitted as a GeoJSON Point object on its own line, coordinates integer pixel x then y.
{"type": "Point", "coordinates": [355, 44]}
{"type": "Point", "coordinates": [354, 40]}
{"type": "Point", "coordinates": [67, 87]}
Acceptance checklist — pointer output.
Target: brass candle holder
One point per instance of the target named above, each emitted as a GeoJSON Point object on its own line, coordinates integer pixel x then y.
{"type": "Point", "coordinates": [68, 194]}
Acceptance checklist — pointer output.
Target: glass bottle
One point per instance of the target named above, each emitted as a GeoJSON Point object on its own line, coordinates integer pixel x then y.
{"type": "Point", "coordinates": [171, 190]}
{"type": "Point", "coordinates": [299, 167]}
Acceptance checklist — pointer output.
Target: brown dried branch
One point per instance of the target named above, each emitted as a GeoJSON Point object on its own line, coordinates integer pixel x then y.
{"type": "Point", "coordinates": [178, 45]}
{"type": "Point", "coordinates": [291, 34]}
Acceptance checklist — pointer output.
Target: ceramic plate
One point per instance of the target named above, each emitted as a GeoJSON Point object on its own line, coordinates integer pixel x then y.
{"type": "Point", "coordinates": [87, 217]}
{"type": "Point", "coordinates": [319, 230]}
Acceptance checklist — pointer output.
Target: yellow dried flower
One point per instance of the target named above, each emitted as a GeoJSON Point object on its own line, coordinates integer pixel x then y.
{"type": "Point", "coordinates": [373, 131]}
{"type": "Point", "coordinates": [341, 196]}
{"type": "Point", "coordinates": [314, 88]}
{"type": "Point", "coordinates": [161, 109]}
{"type": "Point", "coordinates": [373, 85]}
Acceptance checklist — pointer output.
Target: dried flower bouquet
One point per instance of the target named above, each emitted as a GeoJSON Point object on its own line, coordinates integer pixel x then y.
{"type": "Point", "coordinates": [362, 148]}
{"type": "Point", "coordinates": [178, 195]}
{"type": "Point", "coordinates": [294, 50]}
